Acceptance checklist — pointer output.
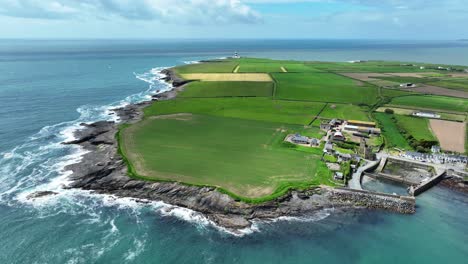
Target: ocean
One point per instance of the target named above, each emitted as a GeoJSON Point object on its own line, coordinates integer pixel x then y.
{"type": "Point", "coordinates": [49, 87]}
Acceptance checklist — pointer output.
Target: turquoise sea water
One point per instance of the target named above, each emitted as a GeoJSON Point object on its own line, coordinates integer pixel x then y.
{"type": "Point", "coordinates": [48, 87]}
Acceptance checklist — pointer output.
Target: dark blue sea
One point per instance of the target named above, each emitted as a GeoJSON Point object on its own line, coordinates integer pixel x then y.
{"type": "Point", "coordinates": [48, 87]}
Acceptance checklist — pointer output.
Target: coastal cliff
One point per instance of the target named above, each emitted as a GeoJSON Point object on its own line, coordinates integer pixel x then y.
{"type": "Point", "coordinates": [103, 170]}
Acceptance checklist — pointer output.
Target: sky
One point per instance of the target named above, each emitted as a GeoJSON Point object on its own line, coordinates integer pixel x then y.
{"type": "Point", "coordinates": [302, 19]}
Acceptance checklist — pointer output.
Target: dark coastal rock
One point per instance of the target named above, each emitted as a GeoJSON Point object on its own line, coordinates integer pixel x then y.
{"type": "Point", "coordinates": [40, 194]}
{"type": "Point", "coordinates": [455, 183]}
{"type": "Point", "coordinates": [173, 78]}
{"type": "Point", "coordinates": [102, 170]}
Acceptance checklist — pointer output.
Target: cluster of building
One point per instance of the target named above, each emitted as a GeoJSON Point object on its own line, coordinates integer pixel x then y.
{"type": "Point", "coordinates": [440, 158]}
{"type": "Point", "coordinates": [362, 128]}
{"type": "Point", "coordinates": [336, 127]}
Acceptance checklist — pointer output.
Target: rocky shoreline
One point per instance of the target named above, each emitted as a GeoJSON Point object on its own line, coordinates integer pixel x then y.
{"type": "Point", "coordinates": [456, 184]}
{"type": "Point", "coordinates": [103, 170]}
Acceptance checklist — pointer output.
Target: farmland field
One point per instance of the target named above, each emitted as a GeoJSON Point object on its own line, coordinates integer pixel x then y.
{"type": "Point", "coordinates": [410, 111]}
{"type": "Point", "coordinates": [416, 126]}
{"type": "Point", "coordinates": [263, 109]}
{"type": "Point", "coordinates": [260, 67]}
{"type": "Point", "coordinates": [391, 132]}
{"type": "Point", "coordinates": [345, 111]}
{"type": "Point", "coordinates": [433, 102]}
{"type": "Point", "coordinates": [232, 77]}
{"type": "Point", "coordinates": [220, 89]}
{"type": "Point", "coordinates": [453, 83]}
{"type": "Point", "coordinates": [451, 135]}
{"type": "Point", "coordinates": [323, 87]}
{"type": "Point", "coordinates": [241, 156]}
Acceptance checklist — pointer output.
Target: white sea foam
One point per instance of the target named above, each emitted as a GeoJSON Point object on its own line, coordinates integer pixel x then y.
{"type": "Point", "coordinates": [191, 62]}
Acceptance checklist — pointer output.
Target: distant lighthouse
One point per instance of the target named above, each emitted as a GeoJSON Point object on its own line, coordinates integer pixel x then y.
{"type": "Point", "coordinates": [236, 55]}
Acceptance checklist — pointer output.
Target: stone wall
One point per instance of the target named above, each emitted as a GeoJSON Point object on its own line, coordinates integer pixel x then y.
{"type": "Point", "coordinates": [373, 200]}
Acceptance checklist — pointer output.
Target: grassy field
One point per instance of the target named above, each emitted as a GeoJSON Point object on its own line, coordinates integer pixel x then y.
{"type": "Point", "coordinates": [410, 111]}
{"type": "Point", "coordinates": [232, 77]}
{"type": "Point", "coordinates": [262, 109]}
{"type": "Point", "coordinates": [220, 89]}
{"type": "Point", "coordinates": [274, 67]}
{"type": "Point", "coordinates": [208, 67]}
{"type": "Point", "coordinates": [369, 66]}
{"type": "Point", "coordinates": [345, 111]}
{"type": "Point", "coordinates": [460, 84]}
{"type": "Point", "coordinates": [394, 92]}
{"type": "Point", "coordinates": [323, 87]}
{"type": "Point", "coordinates": [242, 156]}
{"type": "Point", "coordinates": [296, 67]}
{"type": "Point", "coordinates": [417, 127]}
{"type": "Point", "coordinates": [391, 132]}
{"type": "Point", "coordinates": [260, 67]}
{"type": "Point", "coordinates": [432, 102]}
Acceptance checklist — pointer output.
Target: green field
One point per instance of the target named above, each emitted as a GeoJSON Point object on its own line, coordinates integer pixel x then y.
{"type": "Point", "coordinates": [453, 83]}
{"type": "Point", "coordinates": [207, 67]}
{"type": "Point", "coordinates": [299, 67]}
{"type": "Point", "coordinates": [225, 89]}
{"type": "Point", "coordinates": [260, 67]}
{"type": "Point", "coordinates": [394, 92]}
{"type": "Point", "coordinates": [432, 102]}
{"type": "Point", "coordinates": [262, 109]}
{"type": "Point", "coordinates": [369, 66]}
{"type": "Point", "coordinates": [242, 156]}
{"type": "Point", "coordinates": [345, 111]}
{"type": "Point", "coordinates": [323, 87]}
{"type": "Point", "coordinates": [393, 137]}
{"type": "Point", "coordinates": [415, 126]}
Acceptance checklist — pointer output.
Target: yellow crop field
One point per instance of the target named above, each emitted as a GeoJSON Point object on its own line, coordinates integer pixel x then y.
{"type": "Point", "coordinates": [228, 77]}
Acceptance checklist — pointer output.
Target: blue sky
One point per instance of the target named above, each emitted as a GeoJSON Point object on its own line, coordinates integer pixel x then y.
{"type": "Point", "coordinates": [374, 19]}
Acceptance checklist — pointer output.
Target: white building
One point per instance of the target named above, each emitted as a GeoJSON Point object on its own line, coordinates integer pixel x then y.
{"type": "Point", "coordinates": [426, 114]}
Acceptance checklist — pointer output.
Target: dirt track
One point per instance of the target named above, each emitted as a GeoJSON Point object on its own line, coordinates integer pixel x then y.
{"type": "Point", "coordinates": [429, 89]}
{"type": "Point", "coordinates": [451, 135]}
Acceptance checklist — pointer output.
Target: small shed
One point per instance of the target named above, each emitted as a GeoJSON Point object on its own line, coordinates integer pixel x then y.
{"type": "Point", "coordinates": [338, 175]}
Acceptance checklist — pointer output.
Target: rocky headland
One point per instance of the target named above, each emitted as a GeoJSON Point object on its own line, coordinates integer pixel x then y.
{"type": "Point", "coordinates": [103, 170]}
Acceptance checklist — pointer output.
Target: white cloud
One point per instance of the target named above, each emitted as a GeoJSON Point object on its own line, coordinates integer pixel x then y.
{"type": "Point", "coordinates": [174, 11]}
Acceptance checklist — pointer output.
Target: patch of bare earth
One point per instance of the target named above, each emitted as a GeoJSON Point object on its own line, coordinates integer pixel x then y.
{"type": "Point", "coordinates": [451, 135]}
{"type": "Point", "coordinates": [364, 76]}
{"type": "Point", "coordinates": [412, 74]}
{"type": "Point", "coordinates": [429, 89]}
